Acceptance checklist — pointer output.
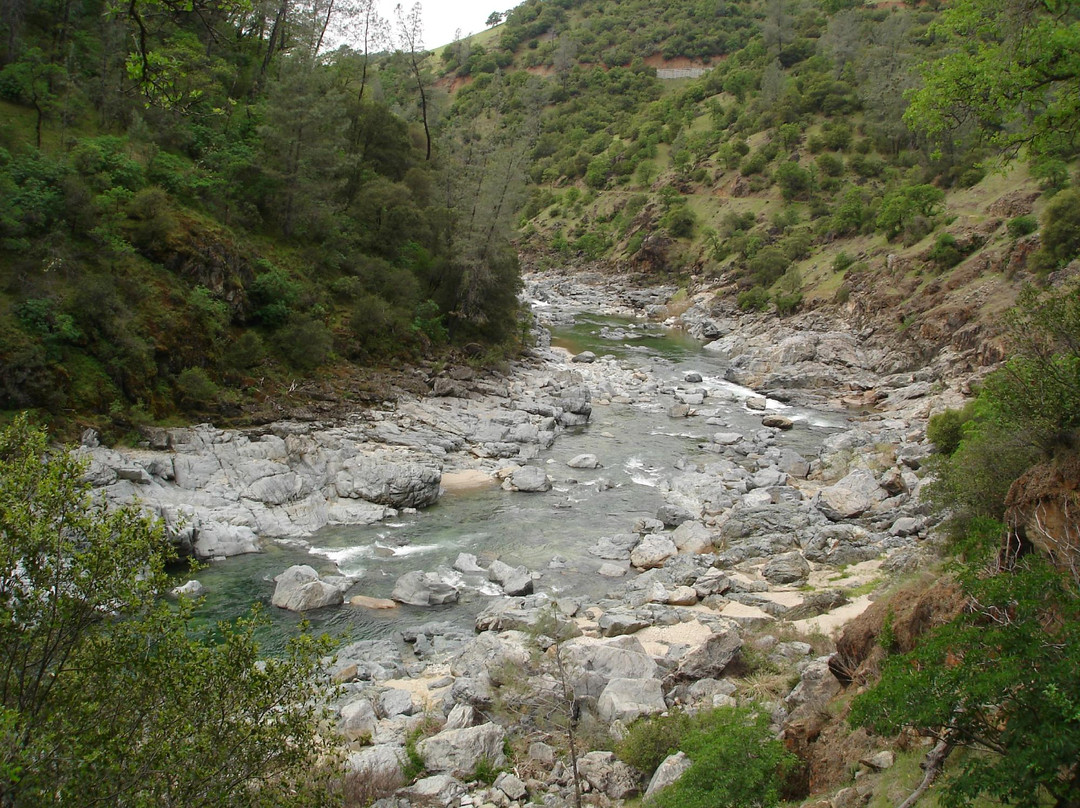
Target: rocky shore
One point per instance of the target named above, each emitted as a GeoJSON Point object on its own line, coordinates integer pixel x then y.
{"type": "Point", "coordinates": [728, 594]}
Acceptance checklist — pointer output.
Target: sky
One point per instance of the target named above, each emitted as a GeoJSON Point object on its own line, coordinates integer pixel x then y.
{"type": "Point", "coordinates": [443, 17]}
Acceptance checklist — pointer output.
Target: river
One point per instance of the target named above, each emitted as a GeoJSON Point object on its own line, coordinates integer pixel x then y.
{"type": "Point", "coordinates": [639, 445]}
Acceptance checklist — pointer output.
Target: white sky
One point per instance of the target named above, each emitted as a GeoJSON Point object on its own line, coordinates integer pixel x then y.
{"type": "Point", "coordinates": [443, 17]}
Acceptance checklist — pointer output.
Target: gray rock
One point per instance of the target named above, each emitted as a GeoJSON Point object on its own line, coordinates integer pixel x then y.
{"type": "Point", "coordinates": [627, 699]}
{"type": "Point", "coordinates": [756, 403]}
{"type": "Point", "coordinates": [511, 786]}
{"type": "Point", "coordinates": [513, 580]}
{"type": "Point", "coordinates": [692, 537]}
{"type": "Point", "coordinates": [379, 767]}
{"type": "Point", "coordinates": [585, 357]}
{"type": "Point", "coordinates": [457, 751]}
{"type": "Point", "coordinates": [400, 485]}
{"type": "Point", "coordinates": [358, 720]}
{"type": "Point", "coordinates": [393, 702]}
{"type": "Point", "coordinates": [786, 569]}
{"type": "Point", "coordinates": [541, 753]}
{"type": "Point", "coordinates": [584, 461]}
{"type": "Point", "coordinates": [437, 791]}
{"type": "Point", "coordinates": [608, 775]}
{"type": "Point", "coordinates": [709, 660]}
{"type": "Point", "coordinates": [652, 551]}
{"type": "Point", "coordinates": [467, 563]}
{"type": "Point", "coordinates": [610, 569]}
{"type": "Point", "coordinates": [423, 589]}
{"type": "Point", "coordinates": [530, 479]}
{"type": "Point", "coordinates": [616, 623]}
{"type": "Point", "coordinates": [489, 652]}
{"type": "Point", "coordinates": [879, 761]}
{"type": "Point", "coordinates": [791, 462]}
{"type": "Point", "coordinates": [673, 515]}
{"type": "Point", "coordinates": [462, 716]}
{"type": "Point", "coordinates": [615, 548]}
{"type": "Point", "coordinates": [673, 767]}
{"type": "Point", "coordinates": [851, 496]}
{"type": "Point", "coordinates": [192, 590]}
{"type": "Point", "coordinates": [300, 589]}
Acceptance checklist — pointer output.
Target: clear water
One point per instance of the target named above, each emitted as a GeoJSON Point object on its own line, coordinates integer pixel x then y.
{"type": "Point", "coordinates": [550, 533]}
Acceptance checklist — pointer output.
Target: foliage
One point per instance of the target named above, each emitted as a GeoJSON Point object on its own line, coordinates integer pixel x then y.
{"type": "Point", "coordinates": [650, 740]}
{"type": "Point", "coordinates": [756, 298]}
{"type": "Point", "coordinates": [900, 207]}
{"type": "Point", "coordinates": [946, 429]}
{"type": "Point", "coordinates": [108, 693]}
{"type": "Point", "coordinates": [999, 680]}
{"type": "Point", "coordinates": [1006, 73]}
{"type": "Point", "coordinates": [1061, 228]}
{"type": "Point", "coordinates": [1022, 225]}
{"type": "Point", "coordinates": [735, 763]}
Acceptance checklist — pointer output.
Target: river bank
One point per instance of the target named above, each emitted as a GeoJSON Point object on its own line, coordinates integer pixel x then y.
{"type": "Point", "coordinates": [758, 551]}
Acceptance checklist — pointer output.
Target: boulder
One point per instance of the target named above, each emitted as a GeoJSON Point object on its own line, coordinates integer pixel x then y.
{"type": "Point", "coordinates": [457, 751]}
{"type": "Point", "coordinates": [513, 580]}
{"type": "Point", "coordinates": [393, 702]}
{"type": "Point", "coordinates": [468, 564]}
{"type": "Point", "coordinates": [358, 720]}
{"type": "Point", "coordinates": [709, 660]}
{"type": "Point", "coordinates": [461, 716]}
{"type": "Point", "coordinates": [511, 785]}
{"type": "Point", "coordinates": [692, 537]}
{"type": "Point", "coordinates": [437, 791]}
{"type": "Point", "coordinates": [851, 496]}
{"type": "Point", "coordinates": [192, 589]}
{"type": "Point", "coordinates": [627, 699]}
{"type": "Point", "coordinates": [652, 551]}
{"type": "Point", "coordinates": [399, 485]}
{"type": "Point", "coordinates": [786, 569]}
{"type": "Point", "coordinates": [585, 358]}
{"type": "Point", "coordinates": [616, 623]}
{"type": "Point", "coordinates": [378, 767]}
{"type": "Point", "coordinates": [299, 589]}
{"type": "Point", "coordinates": [423, 589]}
{"type": "Point", "coordinates": [584, 461]}
{"type": "Point", "coordinates": [673, 767]}
{"type": "Point", "coordinates": [608, 775]}
{"type": "Point", "coordinates": [530, 480]}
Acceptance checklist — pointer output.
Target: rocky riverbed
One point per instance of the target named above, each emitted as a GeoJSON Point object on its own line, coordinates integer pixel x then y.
{"type": "Point", "coordinates": [758, 553]}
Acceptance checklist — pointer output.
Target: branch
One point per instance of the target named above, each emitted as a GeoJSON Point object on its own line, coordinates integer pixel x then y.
{"type": "Point", "coordinates": [932, 765]}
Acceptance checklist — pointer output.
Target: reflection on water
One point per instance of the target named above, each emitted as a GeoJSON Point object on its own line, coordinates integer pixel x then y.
{"type": "Point", "coordinates": [550, 533]}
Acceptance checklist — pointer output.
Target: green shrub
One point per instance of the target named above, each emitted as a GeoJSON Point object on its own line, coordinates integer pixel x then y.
{"type": "Point", "coordinates": [273, 294]}
{"type": "Point", "coordinates": [195, 389]}
{"type": "Point", "coordinates": [305, 344]}
{"type": "Point", "coordinates": [945, 430]}
{"type": "Point", "coordinates": [1022, 226]}
{"type": "Point", "coordinates": [842, 261]}
{"type": "Point", "coordinates": [649, 740]}
{"type": "Point", "coordinates": [245, 352]}
{"type": "Point", "coordinates": [1061, 227]}
{"type": "Point", "coordinates": [736, 762]}
{"type": "Point", "coordinates": [945, 252]}
{"type": "Point", "coordinates": [753, 299]}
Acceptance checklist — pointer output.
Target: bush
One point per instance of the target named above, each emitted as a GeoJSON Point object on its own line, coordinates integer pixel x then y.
{"type": "Point", "coordinates": [305, 344]}
{"type": "Point", "coordinates": [1061, 227]}
{"type": "Point", "coordinates": [1022, 226]}
{"type": "Point", "coordinates": [945, 252]}
{"type": "Point", "coordinates": [736, 762]}
{"type": "Point", "coordinates": [946, 429]}
{"type": "Point", "coordinates": [649, 740]}
{"type": "Point", "coordinates": [111, 696]}
{"type": "Point", "coordinates": [754, 299]}
{"type": "Point", "coordinates": [195, 389]}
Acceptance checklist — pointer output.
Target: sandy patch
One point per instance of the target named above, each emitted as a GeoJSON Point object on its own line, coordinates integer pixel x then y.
{"type": "Point", "coordinates": [785, 597]}
{"type": "Point", "coordinates": [420, 687]}
{"type": "Point", "coordinates": [658, 639]}
{"type": "Point", "coordinates": [741, 610]}
{"type": "Point", "coordinates": [466, 480]}
{"type": "Point", "coordinates": [830, 622]}
{"type": "Point", "coordinates": [855, 575]}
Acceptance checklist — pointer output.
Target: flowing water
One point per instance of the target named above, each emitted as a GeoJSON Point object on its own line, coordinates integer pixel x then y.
{"type": "Point", "coordinates": [549, 533]}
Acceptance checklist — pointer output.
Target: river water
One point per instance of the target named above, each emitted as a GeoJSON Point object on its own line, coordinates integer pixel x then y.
{"type": "Point", "coordinates": [639, 446]}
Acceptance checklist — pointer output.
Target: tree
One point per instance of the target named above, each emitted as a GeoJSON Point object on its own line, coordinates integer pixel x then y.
{"type": "Point", "coordinates": [107, 695]}
{"type": "Point", "coordinates": [411, 43]}
{"type": "Point", "coordinates": [1010, 70]}
{"type": "Point", "coordinates": [1001, 681]}
{"type": "Point", "coordinates": [494, 18]}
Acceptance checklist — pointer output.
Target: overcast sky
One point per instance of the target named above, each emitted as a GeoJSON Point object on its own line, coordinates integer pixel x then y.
{"type": "Point", "coordinates": [443, 17]}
